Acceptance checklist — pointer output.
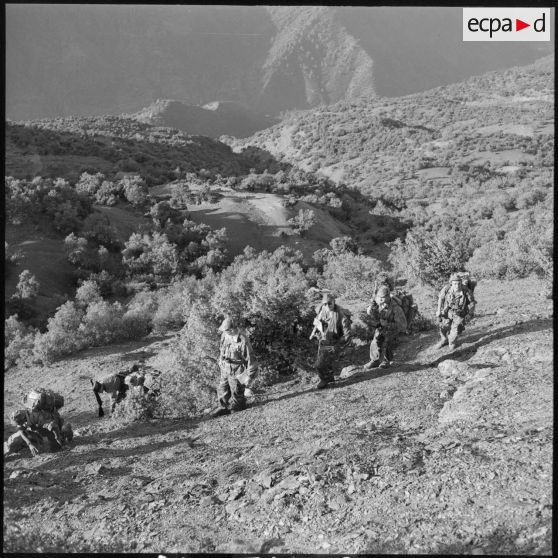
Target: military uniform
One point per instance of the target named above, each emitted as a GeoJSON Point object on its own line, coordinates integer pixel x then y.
{"type": "Point", "coordinates": [389, 322]}
{"type": "Point", "coordinates": [236, 357]}
{"type": "Point", "coordinates": [336, 330]}
{"type": "Point", "coordinates": [453, 307]}
{"type": "Point", "coordinates": [44, 429]}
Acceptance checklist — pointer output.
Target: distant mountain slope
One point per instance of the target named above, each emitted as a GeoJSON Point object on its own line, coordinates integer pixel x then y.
{"type": "Point", "coordinates": [87, 60]}
{"type": "Point", "coordinates": [383, 144]}
{"type": "Point", "coordinates": [418, 48]}
{"type": "Point", "coordinates": [212, 120]}
{"type": "Point", "coordinates": [110, 144]}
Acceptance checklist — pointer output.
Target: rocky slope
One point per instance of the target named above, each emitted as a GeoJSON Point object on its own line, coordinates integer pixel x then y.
{"type": "Point", "coordinates": [444, 453]}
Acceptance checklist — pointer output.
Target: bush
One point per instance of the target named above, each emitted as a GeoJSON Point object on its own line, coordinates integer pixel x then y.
{"type": "Point", "coordinates": [526, 250]}
{"type": "Point", "coordinates": [135, 190]}
{"type": "Point", "coordinates": [97, 227]}
{"type": "Point", "coordinates": [89, 184]}
{"type": "Point", "coordinates": [137, 407]}
{"type": "Point", "coordinates": [18, 342]}
{"type": "Point", "coordinates": [27, 286]}
{"type": "Point", "coordinates": [430, 258]}
{"type": "Point", "coordinates": [350, 275]}
{"type": "Point", "coordinates": [102, 323]}
{"type": "Point", "coordinates": [189, 386]}
{"type": "Point", "coordinates": [63, 335]}
{"type": "Point", "coordinates": [303, 221]}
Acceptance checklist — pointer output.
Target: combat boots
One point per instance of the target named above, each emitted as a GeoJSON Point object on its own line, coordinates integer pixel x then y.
{"type": "Point", "coordinates": [371, 364]}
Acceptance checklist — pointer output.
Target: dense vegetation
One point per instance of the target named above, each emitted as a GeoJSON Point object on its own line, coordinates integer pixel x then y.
{"type": "Point", "coordinates": [459, 177]}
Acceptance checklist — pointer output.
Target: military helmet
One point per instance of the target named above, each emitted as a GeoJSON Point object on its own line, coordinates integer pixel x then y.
{"type": "Point", "coordinates": [383, 291]}
{"type": "Point", "coordinates": [455, 277]}
{"type": "Point", "coordinates": [227, 323]}
{"type": "Point", "coordinates": [328, 297]}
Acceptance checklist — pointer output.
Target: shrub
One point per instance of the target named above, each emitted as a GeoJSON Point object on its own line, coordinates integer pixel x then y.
{"type": "Point", "coordinates": [89, 292]}
{"type": "Point", "coordinates": [303, 221]}
{"type": "Point", "coordinates": [189, 386]}
{"type": "Point", "coordinates": [137, 407]}
{"type": "Point", "coordinates": [139, 315]}
{"type": "Point", "coordinates": [343, 244]}
{"type": "Point", "coordinates": [430, 258]}
{"type": "Point", "coordinates": [18, 341]}
{"type": "Point", "coordinates": [27, 286]}
{"type": "Point", "coordinates": [63, 335]}
{"type": "Point", "coordinates": [97, 227]}
{"type": "Point", "coordinates": [135, 190]}
{"type": "Point", "coordinates": [350, 275]}
{"type": "Point", "coordinates": [89, 184]}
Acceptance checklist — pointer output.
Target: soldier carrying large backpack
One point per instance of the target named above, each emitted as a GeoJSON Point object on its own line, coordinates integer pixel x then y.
{"type": "Point", "coordinates": [39, 426]}
{"type": "Point", "coordinates": [456, 302]}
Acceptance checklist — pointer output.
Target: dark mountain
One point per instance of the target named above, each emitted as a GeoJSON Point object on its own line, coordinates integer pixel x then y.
{"type": "Point", "coordinates": [108, 59]}
{"type": "Point", "coordinates": [212, 120]}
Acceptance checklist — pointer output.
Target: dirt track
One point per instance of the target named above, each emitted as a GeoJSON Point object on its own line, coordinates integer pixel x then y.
{"type": "Point", "coordinates": [419, 458]}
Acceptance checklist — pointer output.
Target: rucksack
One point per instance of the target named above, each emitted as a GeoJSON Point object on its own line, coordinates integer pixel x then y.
{"type": "Point", "coordinates": [406, 303]}
{"type": "Point", "coordinates": [113, 383]}
{"type": "Point", "coordinates": [468, 281]}
{"type": "Point", "coordinates": [43, 400]}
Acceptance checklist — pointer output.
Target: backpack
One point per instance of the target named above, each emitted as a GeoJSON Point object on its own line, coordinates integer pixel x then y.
{"type": "Point", "coordinates": [405, 301]}
{"type": "Point", "coordinates": [468, 281]}
{"type": "Point", "coordinates": [43, 400]}
{"type": "Point", "coordinates": [113, 383]}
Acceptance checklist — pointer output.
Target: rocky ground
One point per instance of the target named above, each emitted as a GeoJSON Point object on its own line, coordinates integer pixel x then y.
{"type": "Point", "coordinates": [446, 452]}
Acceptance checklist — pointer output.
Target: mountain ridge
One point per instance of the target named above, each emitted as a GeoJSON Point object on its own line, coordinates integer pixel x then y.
{"type": "Point", "coordinates": [91, 60]}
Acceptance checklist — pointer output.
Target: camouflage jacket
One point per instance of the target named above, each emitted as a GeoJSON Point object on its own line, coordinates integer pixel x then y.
{"type": "Point", "coordinates": [458, 302]}
{"type": "Point", "coordinates": [236, 353]}
{"type": "Point", "coordinates": [391, 319]}
{"type": "Point", "coordinates": [42, 420]}
{"type": "Point", "coordinates": [336, 323]}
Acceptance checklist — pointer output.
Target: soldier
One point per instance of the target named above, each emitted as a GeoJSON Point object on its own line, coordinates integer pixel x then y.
{"type": "Point", "coordinates": [389, 320]}
{"type": "Point", "coordinates": [455, 303]}
{"type": "Point", "coordinates": [332, 325]}
{"type": "Point", "coordinates": [237, 365]}
{"type": "Point", "coordinates": [38, 430]}
{"type": "Point", "coordinates": [115, 385]}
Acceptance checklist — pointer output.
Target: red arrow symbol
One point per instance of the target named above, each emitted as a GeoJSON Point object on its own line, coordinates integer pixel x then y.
{"type": "Point", "coordinates": [519, 25]}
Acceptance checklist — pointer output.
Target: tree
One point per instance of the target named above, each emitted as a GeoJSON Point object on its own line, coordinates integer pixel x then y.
{"type": "Point", "coordinates": [303, 221]}
{"type": "Point", "coordinates": [135, 190]}
{"type": "Point", "coordinates": [27, 286]}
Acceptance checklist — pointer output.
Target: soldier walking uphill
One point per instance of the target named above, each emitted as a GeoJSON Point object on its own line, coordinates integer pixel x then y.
{"type": "Point", "coordinates": [333, 327]}
{"type": "Point", "coordinates": [455, 303]}
{"type": "Point", "coordinates": [389, 320]}
{"type": "Point", "coordinates": [238, 366]}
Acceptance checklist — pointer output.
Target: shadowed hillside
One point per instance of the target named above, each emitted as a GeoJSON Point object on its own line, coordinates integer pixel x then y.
{"type": "Point", "coordinates": [212, 120]}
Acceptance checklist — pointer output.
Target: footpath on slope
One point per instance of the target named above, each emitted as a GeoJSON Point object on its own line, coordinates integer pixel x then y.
{"type": "Point", "coordinates": [446, 452]}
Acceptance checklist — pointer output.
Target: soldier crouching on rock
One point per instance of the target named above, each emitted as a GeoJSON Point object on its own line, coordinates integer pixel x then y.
{"type": "Point", "coordinates": [40, 431]}
{"type": "Point", "coordinates": [389, 320]}
{"type": "Point", "coordinates": [455, 304]}
{"type": "Point", "coordinates": [237, 365]}
{"type": "Point", "coordinates": [332, 325]}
